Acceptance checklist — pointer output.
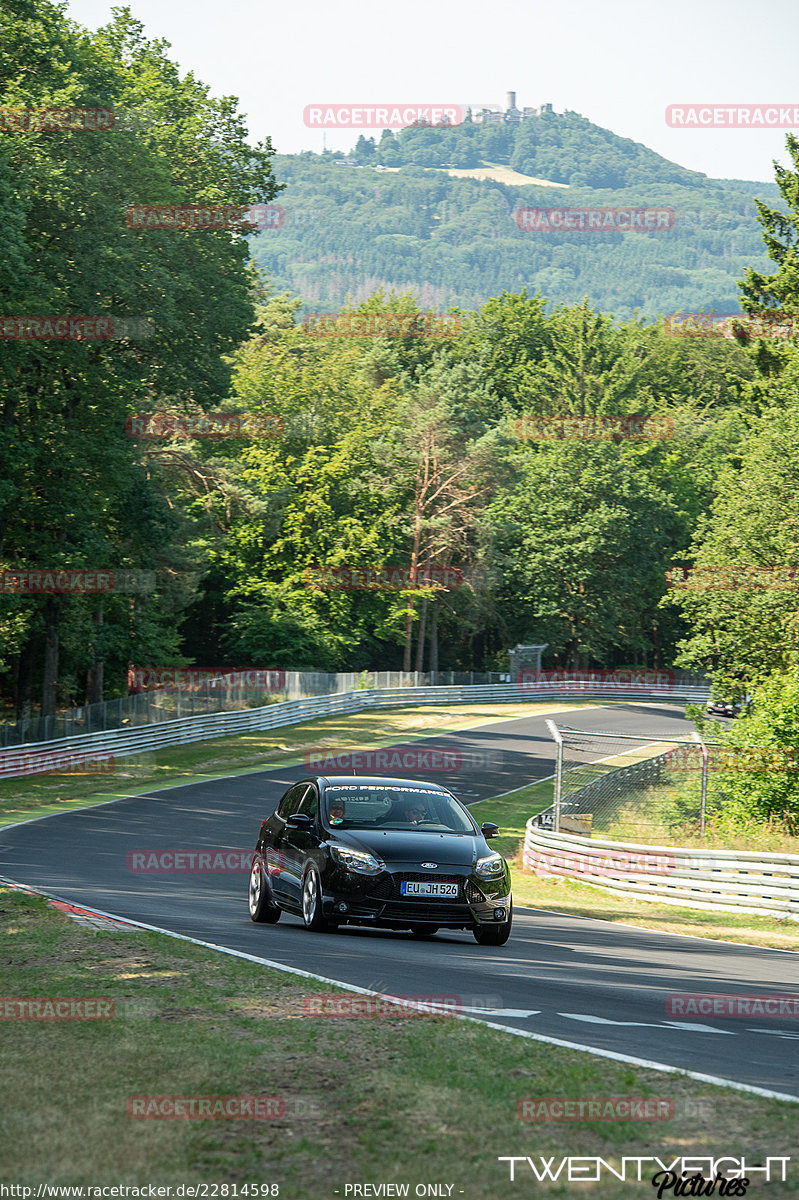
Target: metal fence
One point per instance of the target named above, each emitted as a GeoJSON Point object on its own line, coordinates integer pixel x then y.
{"type": "Point", "coordinates": [725, 880]}
{"type": "Point", "coordinates": [661, 788]}
{"type": "Point", "coordinates": [217, 695]}
{"type": "Point", "coordinates": [34, 758]}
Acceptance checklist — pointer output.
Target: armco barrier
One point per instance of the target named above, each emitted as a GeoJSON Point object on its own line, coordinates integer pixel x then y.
{"type": "Point", "coordinates": [725, 880]}
{"type": "Point", "coordinates": [125, 742]}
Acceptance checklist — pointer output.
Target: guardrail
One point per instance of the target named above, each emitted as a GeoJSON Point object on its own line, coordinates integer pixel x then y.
{"type": "Point", "coordinates": [724, 880]}
{"type": "Point", "coordinates": [38, 757]}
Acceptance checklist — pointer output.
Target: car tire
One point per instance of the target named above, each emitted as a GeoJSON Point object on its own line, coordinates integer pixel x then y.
{"type": "Point", "coordinates": [494, 935]}
{"type": "Point", "coordinates": [422, 931]}
{"type": "Point", "coordinates": [258, 898]}
{"type": "Point", "coordinates": [312, 915]}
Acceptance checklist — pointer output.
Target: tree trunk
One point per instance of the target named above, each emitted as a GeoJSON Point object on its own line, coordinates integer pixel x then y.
{"type": "Point", "coordinates": [434, 638]}
{"type": "Point", "coordinates": [52, 613]}
{"type": "Point", "coordinates": [421, 636]}
{"type": "Point", "coordinates": [95, 673]}
{"type": "Point", "coordinates": [23, 683]}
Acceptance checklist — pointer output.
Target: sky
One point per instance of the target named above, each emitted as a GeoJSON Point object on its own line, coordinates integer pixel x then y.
{"type": "Point", "coordinates": [619, 63]}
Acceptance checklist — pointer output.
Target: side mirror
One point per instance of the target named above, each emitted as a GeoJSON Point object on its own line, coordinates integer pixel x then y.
{"type": "Point", "coordinates": [299, 821]}
{"type": "Point", "coordinates": [489, 829]}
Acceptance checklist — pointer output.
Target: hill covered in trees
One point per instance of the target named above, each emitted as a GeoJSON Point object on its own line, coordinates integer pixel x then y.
{"type": "Point", "coordinates": [398, 219]}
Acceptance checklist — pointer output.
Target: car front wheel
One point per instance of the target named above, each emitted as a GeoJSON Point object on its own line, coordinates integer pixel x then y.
{"type": "Point", "coordinates": [312, 914]}
{"type": "Point", "coordinates": [258, 899]}
{"type": "Point", "coordinates": [494, 935]}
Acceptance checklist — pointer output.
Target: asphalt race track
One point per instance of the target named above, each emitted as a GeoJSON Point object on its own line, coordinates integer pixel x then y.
{"type": "Point", "coordinates": [598, 984]}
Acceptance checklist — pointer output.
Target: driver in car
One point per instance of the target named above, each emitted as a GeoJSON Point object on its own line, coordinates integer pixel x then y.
{"type": "Point", "coordinates": [414, 812]}
{"type": "Point", "coordinates": [335, 811]}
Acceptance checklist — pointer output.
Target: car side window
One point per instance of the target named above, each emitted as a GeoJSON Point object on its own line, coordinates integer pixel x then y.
{"type": "Point", "coordinates": [310, 803]}
{"type": "Point", "coordinates": [292, 800]}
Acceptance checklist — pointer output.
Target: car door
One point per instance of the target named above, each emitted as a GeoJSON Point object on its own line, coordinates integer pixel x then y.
{"type": "Point", "coordinates": [300, 844]}
{"type": "Point", "coordinates": [281, 859]}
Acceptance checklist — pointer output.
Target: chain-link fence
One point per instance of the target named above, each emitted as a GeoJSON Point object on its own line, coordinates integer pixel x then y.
{"type": "Point", "coordinates": [641, 788]}
{"type": "Point", "coordinates": [221, 693]}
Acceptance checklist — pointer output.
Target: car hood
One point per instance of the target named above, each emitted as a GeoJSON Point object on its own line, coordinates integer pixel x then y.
{"type": "Point", "coordinates": [397, 845]}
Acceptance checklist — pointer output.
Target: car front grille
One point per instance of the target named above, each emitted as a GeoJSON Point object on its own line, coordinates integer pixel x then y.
{"type": "Point", "coordinates": [434, 911]}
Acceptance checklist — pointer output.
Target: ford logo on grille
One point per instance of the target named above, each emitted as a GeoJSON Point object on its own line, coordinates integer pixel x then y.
{"type": "Point", "coordinates": [428, 864]}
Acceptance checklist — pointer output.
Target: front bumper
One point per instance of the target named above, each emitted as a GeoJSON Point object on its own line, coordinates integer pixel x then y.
{"type": "Point", "coordinates": [377, 900]}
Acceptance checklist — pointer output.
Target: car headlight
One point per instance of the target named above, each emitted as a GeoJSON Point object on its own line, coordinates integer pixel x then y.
{"type": "Point", "coordinates": [490, 867]}
{"type": "Point", "coordinates": [357, 860]}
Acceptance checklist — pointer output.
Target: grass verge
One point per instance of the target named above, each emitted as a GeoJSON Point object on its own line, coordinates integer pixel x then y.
{"type": "Point", "coordinates": [367, 1100]}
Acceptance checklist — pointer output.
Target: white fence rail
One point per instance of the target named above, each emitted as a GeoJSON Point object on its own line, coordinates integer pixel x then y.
{"type": "Point", "coordinates": [725, 880]}
{"type": "Point", "coordinates": [40, 757]}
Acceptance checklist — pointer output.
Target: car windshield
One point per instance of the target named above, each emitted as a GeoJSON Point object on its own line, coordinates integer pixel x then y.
{"type": "Point", "coordinates": [386, 806]}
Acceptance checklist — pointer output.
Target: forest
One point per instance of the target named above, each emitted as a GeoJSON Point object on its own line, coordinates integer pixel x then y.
{"type": "Point", "coordinates": [236, 459]}
{"type": "Point", "coordinates": [341, 233]}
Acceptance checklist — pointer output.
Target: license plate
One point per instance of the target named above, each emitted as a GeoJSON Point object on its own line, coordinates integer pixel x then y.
{"type": "Point", "coordinates": [428, 888]}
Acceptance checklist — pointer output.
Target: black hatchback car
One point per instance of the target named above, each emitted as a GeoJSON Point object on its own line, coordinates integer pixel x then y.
{"type": "Point", "coordinates": [391, 853]}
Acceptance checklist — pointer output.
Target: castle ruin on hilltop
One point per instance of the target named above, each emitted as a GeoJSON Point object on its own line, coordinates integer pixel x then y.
{"type": "Point", "coordinates": [511, 115]}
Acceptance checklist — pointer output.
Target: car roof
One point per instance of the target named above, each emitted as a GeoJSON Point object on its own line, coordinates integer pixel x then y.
{"type": "Point", "coordinates": [378, 780]}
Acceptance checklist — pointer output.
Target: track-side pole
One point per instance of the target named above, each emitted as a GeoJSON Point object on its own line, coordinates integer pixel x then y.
{"type": "Point", "coordinates": [553, 729]}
